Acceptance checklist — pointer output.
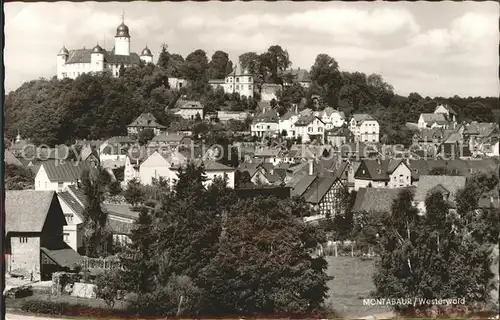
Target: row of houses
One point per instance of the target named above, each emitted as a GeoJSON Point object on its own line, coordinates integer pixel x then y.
{"type": "Point", "coordinates": [311, 125]}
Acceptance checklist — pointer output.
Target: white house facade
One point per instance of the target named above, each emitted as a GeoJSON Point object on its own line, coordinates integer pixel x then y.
{"type": "Point", "coordinates": [365, 128]}
{"type": "Point", "coordinates": [332, 118]}
{"type": "Point", "coordinates": [238, 81]}
{"type": "Point", "coordinates": [308, 127]}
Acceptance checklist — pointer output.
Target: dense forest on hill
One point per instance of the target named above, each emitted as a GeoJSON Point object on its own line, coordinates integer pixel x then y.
{"type": "Point", "coordinates": [55, 111]}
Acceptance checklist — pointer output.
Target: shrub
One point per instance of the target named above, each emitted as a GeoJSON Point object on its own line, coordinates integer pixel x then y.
{"type": "Point", "coordinates": [19, 292]}
{"type": "Point", "coordinates": [65, 309]}
{"type": "Point", "coordinates": [108, 285]}
{"type": "Point", "coordinates": [46, 307]}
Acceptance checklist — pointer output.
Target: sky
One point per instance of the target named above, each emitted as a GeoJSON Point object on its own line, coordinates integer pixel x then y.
{"type": "Point", "coordinates": [436, 49]}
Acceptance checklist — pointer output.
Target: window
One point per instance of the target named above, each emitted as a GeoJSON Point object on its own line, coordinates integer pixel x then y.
{"type": "Point", "coordinates": [310, 129]}
{"type": "Point", "coordinates": [237, 79]}
{"type": "Point", "coordinates": [237, 87]}
{"type": "Point", "coordinates": [23, 240]}
{"type": "Point", "coordinates": [69, 217]}
{"type": "Point", "coordinates": [66, 237]}
{"type": "Point", "coordinates": [320, 129]}
{"type": "Point", "coordinates": [249, 87]}
{"type": "Point", "coordinates": [60, 185]}
{"type": "Point", "coordinates": [249, 79]}
{"type": "Point", "coordinates": [268, 127]}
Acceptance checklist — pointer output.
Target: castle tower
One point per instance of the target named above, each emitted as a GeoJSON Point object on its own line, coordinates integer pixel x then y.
{"type": "Point", "coordinates": [97, 59]}
{"type": "Point", "coordinates": [62, 57]}
{"type": "Point", "coordinates": [122, 40]}
{"type": "Point", "coordinates": [146, 55]}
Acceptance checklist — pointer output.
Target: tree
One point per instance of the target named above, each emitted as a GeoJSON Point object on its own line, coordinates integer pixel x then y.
{"type": "Point", "coordinates": [242, 179]}
{"type": "Point", "coordinates": [195, 67]}
{"type": "Point", "coordinates": [146, 135]}
{"type": "Point", "coordinates": [18, 178]}
{"type": "Point", "coordinates": [138, 257]}
{"type": "Point", "coordinates": [219, 64]}
{"type": "Point", "coordinates": [431, 256]}
{"type": "Point", "coordinates": [325, 71]}
{"type": "Point", "coordinates": [256, 272]}
{"type": "Point", "coordinates": [163, 58]}
{"type": "Point", "coordinates": [276, 60]}
{"type": "Point", "coordinates": [108, 286]}
{"type": "Point", "coordinates": [134, 193]}
{"type": "Point", "coordinates": [95, 218]}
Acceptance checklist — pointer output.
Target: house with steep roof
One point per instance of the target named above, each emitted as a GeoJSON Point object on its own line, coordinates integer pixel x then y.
{"type": "Point", "coordinates": [168, 141]}
{"type": "Point", "coordinates": [483, 138]}
{"type": "Point", "coordinates": [72, 208]}
{"type": "Point", "coordinates": [287, 124]}
{"type": "Point", "coordinates": [392, 173]}
{"type": "Point", "coordinates": [145, 121]}
{"type": "Point", "coordinates": [133, 159]}
{"type": "Point", "coordinates": [448, 186]}
{"type": "Point", "coordinates": [323, 194]}
{"type": "Point", "coordinates": [239, 80]}
{"type": "Point", "coordinates": [121, 217]}
{"type": "Point", "coordinates": [376, 200]}
{"type": "Point", "coordinates": [339, 136]}
{"type": "Point", "coordinates": [310, 128]}
{"type": "Point", "coordinates": [55, 175]}
{"type": "Point", "coordinates": [190, 109]}
{"type": "Point", "coordinates": [332, 118]}
{"type": "Point", "coordinates": [265, 124]}
{"type": "Point", "coordinates": [433, 120]}
{"type": "Point", "coordinates": [448, 111]}
{"type": "Point", "coordinates": [34, 224]}
{"type": "Point", "coordinates": [300, 76]}
{"type": "Point", "coordinates": [365, 128]}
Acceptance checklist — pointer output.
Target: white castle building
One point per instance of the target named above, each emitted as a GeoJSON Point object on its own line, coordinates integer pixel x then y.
{"type": "Point", "coordinates": [72, 63]}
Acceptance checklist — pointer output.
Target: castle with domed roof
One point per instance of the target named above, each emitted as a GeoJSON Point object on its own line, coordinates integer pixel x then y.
{"type": "Point", "coordinates": [72, 63]}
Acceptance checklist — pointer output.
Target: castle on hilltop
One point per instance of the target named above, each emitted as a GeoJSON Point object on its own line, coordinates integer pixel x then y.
{"type": "Point", "coordinates": [72, 63]}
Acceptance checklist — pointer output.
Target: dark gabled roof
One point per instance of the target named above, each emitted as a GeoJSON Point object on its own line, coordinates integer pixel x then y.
{"type": "Point", "coordinates": [447, 107]}
{"type": "Point", "coordinates": [146, 120]}
{"type": "Point", "coordinates": [301, 75]}
{"type": "Point", "coordinates": [289, 114]}
{"type": "Point", "coordinates": [73, 203]}
{"type": "Point", "coordinates": [361, 117]}
{"type": "Point", "coordinates": [121, 210]}
{"type": "Point", "coordinates": [376, 199]}
{"type": "Point", "coordinates": [190, 104]}
{"type": "Point", "coordinates": [27, 210]}
{"type": "Point", "coordinates": [427, 183]}
{"type": "Point", "coordinates": [339, 132]}
{"type": "Point", "coordinates": [306, 120]}
{"type": "Point", "coordinates": [67, 171]}
{"type": "Point", "coordinates": [63, 256]}
{"type": "Point", "coordinates": [380, 169]}
{"type": "Point", "coordinates": [268, 116]}
{"type": "Point", "coordinates": [166, 137]}
{"type": "Point", "coordinates": [211, 165]}
{"type": "Point", "coordinates": [300, 184]}
{"type": "Point", "coordinates": [78, 193]}
{"type": "Point", "coordinates": [318, 189]}
{"type": "Point", "coordinates": [439, 118]}
{"type": "Point", "coordinates": [84, 56]}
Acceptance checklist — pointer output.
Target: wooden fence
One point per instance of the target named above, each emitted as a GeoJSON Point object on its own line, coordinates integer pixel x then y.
{"type": "Point", "coordinates": [100, 263]}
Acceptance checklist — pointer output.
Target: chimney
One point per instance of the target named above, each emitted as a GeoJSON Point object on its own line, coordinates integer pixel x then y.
{"type": "Point", "coordinates": [311, 167]}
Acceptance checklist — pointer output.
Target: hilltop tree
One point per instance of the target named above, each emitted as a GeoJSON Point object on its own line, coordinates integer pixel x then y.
{"type": "Point", "coordinates": [325, 72]}
{"type": "Point", "coordinates": [195, 67]}
{"type": "Point", "coordinates": [276, 60]}
{"type": "Point", "coordinates": [219, 65]}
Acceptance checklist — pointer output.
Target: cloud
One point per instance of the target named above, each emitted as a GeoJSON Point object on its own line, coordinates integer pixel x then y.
{"type": "Point", "coordinates": [410, 45]}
